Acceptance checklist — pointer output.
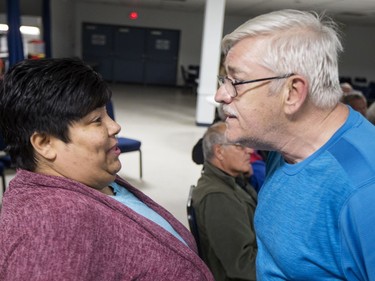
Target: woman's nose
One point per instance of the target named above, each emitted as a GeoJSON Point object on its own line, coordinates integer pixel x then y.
{"type": "Point", "coordinates": [114, 127]}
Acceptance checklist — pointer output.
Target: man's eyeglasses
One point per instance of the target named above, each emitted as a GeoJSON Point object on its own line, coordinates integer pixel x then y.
{"type": "Point", "coordinates": [230, 85]}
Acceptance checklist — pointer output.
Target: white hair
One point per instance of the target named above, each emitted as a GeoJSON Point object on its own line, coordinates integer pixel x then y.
{"type": "Point", "coordinates": [297, 42]}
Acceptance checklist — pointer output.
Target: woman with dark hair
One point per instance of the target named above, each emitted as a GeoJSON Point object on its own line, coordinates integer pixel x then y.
{"type": "Point", "coordinates": [67, 215]}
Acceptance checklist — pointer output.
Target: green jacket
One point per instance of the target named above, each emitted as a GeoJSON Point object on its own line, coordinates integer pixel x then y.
{"type": "Point", "coordinates": [225, 218]}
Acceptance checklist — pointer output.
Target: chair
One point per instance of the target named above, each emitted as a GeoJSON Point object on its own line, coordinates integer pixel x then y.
{"type": "Point", "coordinates": [371, 92]}
{"type": "Point", "coordinates": [346, 79]}
{"type": "Point", "coordinates": [2, 176]}
{"type": "Point", "coordinates": [127, 144]}
{"type": "Point", "coordinates": [192, 219]}
{"type": "Point", "coordinates": [189, 79]}
{"type": "Point", "coordinates": [360, 81]}
{"type": "Point", "coordinates": [4, 162]}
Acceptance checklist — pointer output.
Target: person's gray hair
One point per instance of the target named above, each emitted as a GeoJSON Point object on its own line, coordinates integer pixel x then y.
{"type": "Point", "coordinates": [215, 134]}
{"type": "Point", "coordinates": [298, 42]}
{"type": "Point", "coordinates": [371, 113]}
{"type": "Point", "coordinates": [353, 95]}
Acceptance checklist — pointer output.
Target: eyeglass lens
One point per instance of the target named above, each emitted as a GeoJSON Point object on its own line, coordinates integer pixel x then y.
{"type": "Point", "coordinates": [228, 85]}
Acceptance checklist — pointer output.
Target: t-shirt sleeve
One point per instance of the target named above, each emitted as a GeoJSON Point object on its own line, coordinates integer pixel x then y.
{"type": "Point", "coordinates": [357, 228]}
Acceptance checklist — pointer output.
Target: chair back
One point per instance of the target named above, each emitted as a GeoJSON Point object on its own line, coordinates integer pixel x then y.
{"type": "Point", "coordinates": [192, 219]}
{"type": "Point", "coordinates": [126, 144]}
{"type": "Point", "coordinates": [110, 111]}
{"type": "Point", "coordinates": [2, 165]}
{"type": "Point", "coordinates": [189, 79]}
{"type": "Point", "coordinates": [2, 143]}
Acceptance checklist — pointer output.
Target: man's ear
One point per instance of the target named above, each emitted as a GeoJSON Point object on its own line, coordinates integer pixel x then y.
{"type": "Point", "coordinates": [218, 151]}
{"type": "Point", "coordinates": [295, 94]}
{"type": "Point", "coordinates": [43, 145]}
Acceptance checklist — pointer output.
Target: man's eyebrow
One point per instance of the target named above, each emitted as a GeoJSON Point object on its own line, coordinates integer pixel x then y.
{"type": "Point", "coordinates": [234, 70]}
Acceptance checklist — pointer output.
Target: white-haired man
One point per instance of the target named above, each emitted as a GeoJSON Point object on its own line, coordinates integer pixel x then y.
{"type": "Point", "coordinates": [315, 217]}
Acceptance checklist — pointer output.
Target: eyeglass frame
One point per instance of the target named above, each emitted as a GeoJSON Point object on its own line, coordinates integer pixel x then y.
{"type": "Point", "coordinates": [221, 80]}
{"type": "Point", "coordinates": [236, 144]}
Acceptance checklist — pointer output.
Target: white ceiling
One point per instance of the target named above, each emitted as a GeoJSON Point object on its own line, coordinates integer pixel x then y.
{"type": "Point", "coordinates": [346, 11]}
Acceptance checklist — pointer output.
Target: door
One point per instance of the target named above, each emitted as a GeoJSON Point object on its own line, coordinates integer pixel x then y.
{"type": "Point", "coordinates": [97, 46]}
{"type": "Point", "coordinates": [132, 54]}
{"type": "Point", "coordinates": [129, 50]}
{"type": "Point", "coordinates": [162, 48]}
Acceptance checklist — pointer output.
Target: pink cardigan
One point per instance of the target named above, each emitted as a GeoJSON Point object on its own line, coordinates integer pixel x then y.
{"type": "Point", "coordinates": [53, 228]}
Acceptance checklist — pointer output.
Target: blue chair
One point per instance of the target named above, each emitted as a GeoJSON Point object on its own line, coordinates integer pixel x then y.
{"type": "Point", "coordinates": [2, 168]}
{"type": "Point", "coordinates": [4, 162]}
{"type": "Point", "coordinates": [127, 144]}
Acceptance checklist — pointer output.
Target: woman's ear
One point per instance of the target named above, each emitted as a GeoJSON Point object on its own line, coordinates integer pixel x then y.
{"type": "Point", "coordinates": [296, 94]}
{"type": "Point", "coordinates": [43, 145]}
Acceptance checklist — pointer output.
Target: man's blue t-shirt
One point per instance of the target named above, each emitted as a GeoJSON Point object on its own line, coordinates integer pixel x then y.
{"type": "Point", "coordinates": [315, 220]}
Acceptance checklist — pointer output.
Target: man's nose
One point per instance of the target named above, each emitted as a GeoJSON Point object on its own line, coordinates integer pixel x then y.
{"type": "Point", "coordinates": [222, 96]}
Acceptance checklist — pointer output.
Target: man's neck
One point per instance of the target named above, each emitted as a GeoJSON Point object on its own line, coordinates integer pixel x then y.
{"type": "Point", "coordinates": [312, 132]}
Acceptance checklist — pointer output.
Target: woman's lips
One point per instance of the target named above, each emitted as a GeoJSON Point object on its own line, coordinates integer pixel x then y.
{"type": "Point", "coordinates": [116, 150]}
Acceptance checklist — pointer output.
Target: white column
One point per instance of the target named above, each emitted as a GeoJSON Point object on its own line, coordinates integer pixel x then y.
{"type": "Point", "coordinates": [210, 60]}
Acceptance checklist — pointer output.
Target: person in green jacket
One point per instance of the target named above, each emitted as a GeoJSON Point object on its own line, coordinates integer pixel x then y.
{"type": "Point", "coordinates": [224, 204]}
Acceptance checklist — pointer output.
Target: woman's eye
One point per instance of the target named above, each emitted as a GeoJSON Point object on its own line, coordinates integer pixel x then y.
{"type": "Point", "coordinates": [98, 120]}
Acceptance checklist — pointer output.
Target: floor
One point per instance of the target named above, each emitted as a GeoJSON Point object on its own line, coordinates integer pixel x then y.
{"type": "Point", "coordinates": [163, 119]}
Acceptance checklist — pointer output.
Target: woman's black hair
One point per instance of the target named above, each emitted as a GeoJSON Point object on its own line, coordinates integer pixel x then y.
{"type": "Point", "coordinates": [46, 96]}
